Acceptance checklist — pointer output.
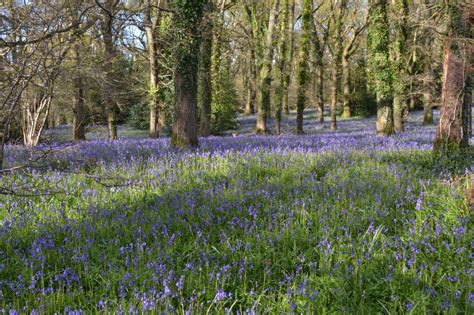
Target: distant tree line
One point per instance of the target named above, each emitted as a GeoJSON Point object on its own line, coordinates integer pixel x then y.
{"type": "Point", "coordinates": [188, 67]}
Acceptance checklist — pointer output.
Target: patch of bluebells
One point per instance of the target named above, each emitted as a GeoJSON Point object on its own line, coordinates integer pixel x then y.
{"type": "Point", "coordinates": [316, 223]}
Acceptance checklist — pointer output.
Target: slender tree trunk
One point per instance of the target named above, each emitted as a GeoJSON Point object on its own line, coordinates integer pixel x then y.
{"type": "Point", "coordinates": [251, 83]}
{"type": "Point", "coordinates": [110, 89]}
{"type": "Point", "coordinates": [283, 64]}
{"type": "Point", "coordinates": [205, 74]}
{"type": "Point", "coordinates": [303, 65]}
{"type": "Point", "coordinates": [187, 17]}
{"type": "Point", "coordinates": [453, 131]}
{"type": "Point", "coordinates": [334, 84]}
{"type": "Point", "coordinates": [266, 74]}
{"type": "Point", "coordinates": [291, 49]}
{"type": "Point", "coordinates": [151, 29]}
{"type": "Point", "coordinates": [78, 110]}
{"type": "Point", "coordinates": [336, 61]}
{"type": "Point", "coordinates": [346, 84]}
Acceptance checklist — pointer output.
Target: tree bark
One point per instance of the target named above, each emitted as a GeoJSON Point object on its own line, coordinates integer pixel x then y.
{"type": "Point", "coordinates": [266, 74]}
{"type": "Point", "coordinates": [187, 17]}
{"type": "Point", "coordinates": [291, 49]}
{"type": "Point", "coordinates": [152, 24]}
{"type": "Point", "coordinates": [78, 110]}
{"type": "Point", "coordinates": [453, 131]}
{"type": "Point", "coordinates": [283, 65]}
{"type": "Point", "coordinates": [251, 83]}
{"type": "Point", "coordinates": [336, 60]}
{"type": "Point", "coordinates": [303, 65]}
{"type": "Point", "coordinates": [346, 84]}
{"type": "Point", "coordinates": [379, 65]}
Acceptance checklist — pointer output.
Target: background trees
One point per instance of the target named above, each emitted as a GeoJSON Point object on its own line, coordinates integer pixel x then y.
{"type": "Point", "coordinates": [109, 62]}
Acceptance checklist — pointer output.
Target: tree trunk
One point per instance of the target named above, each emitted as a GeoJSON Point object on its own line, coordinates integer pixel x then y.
{"type": "Point", "coordinates": [266, 74]}
{"type": "Point", "coordinates": [398, 113]}
{"type": "Point", "coordinates": [384, 124]}
{"type": "Point", "coordinates": [78, 130]}
{"type": "Point", "coordinates": [379, 65]}
{"type": "Point", "coordinates": [400, 8]}
{"type": "Point", "coordinates": [109, 86]}
{"type": "Point", "coordinates": [453, 131]}
{"type": "Point", "coordinates": [291, 49]}
{"type": "Point", "coordinates": [251, 83]}
{"type": "Point", "coordinates": [303, 66]}
{"type": "Point", "coordinates": [187, 17]}
{"type": "Point", "coordinates": [151, 28]}
{"type": "Point", "coordinates": [336, 61]}
{"type": "Point", "coordinates": [346, 84]}
{"type": "Point", "coordinates": [35, 112]}
{"type": "Point", "coordinates": [334, 84]}
{"type": "Point", "coordinates": [283, 64]}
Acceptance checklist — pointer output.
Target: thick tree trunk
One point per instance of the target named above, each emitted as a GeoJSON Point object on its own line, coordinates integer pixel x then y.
{"type": "Point", "coordinates": [384, 124]}
{"type": "Point", "coordinates": [78, 130]}
{"type": "Point", "coordinates": [398, 113]}
{"type": "Point", "coordinates": [266, 74]}
{"type": "Point", "coordinates": [379, 65]}
{"type": "Point", "coordinates": [187, 17]}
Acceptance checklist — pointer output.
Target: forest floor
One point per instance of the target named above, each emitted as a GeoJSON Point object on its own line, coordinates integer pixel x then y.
{"type": "Point", "coordinates": [327, 222]}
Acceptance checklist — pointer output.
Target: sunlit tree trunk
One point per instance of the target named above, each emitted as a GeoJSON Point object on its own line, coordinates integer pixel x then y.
{"type": "Point", "coordinates": [187, 18]}
{"type": "Point", "coordinates": [453, 131]}
{"type": "Point", "coordinates": [152, 24]}
{"type": "Point", "coordinates": [283, 65]}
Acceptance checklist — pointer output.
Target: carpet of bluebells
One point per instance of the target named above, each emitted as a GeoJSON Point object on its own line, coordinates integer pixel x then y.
{"type": "Point", "coordinates": [326, 222]}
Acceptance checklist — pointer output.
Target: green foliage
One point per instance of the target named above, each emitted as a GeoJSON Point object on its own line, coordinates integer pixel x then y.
{"type": "Point", "coordinates": [138, 116]}
{"type": "Point", "coordinates": [224, 103]}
